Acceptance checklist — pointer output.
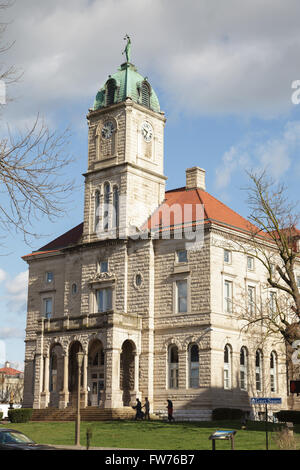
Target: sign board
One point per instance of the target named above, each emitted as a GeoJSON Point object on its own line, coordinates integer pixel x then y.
{"type": "Point", "coordinates": [265, 401]}
{"type": "Point", "coordinates": [222, 435]}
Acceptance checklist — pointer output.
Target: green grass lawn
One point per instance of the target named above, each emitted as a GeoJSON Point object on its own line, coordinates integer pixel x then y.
{"type": "Point", "coordinates": [156, 435]}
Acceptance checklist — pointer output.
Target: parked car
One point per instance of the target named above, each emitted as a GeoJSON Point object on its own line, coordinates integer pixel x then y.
{"type": "Point", "coordinates": [11, 439]}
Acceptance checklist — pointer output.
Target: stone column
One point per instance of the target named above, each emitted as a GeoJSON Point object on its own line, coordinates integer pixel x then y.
{"type": "Point", "coordinates": [64, 394]}
{"type": "Point", "coordinates": [136, 393]}
{"type": "Point", "coordinates": [84, 385]}
{"type": "Point", "coordinates": [113, 394]}
{"type": "Point", "coordinates": [46, 394]}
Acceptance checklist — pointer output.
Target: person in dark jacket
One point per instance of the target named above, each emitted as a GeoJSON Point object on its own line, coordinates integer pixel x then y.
{"type": "Point", "coordinates": [138, 407]}
{"type": "Point", "coordinates": [147, 408]}
{"type": "Point", "coordinates": [170, 411]}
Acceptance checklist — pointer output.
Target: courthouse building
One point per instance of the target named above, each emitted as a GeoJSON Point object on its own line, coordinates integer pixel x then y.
{"type": "Point", "coordinates": [152, 309]}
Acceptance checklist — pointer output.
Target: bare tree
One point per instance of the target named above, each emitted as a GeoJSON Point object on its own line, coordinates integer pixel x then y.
{"type": "Point", "coordinates": [31, 167]}
{"type": "Point", "coordinates": [274, 242]}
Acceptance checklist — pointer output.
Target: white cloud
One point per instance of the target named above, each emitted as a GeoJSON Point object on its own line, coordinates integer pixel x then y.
{"type": "Point", "coordinates": [11, 332]}
{"type": "Point", "coordinates": [2, 275]}
{"type": "Point", "coordinates": [15, 293]}
{"type": "Point", "coordinates": [207, 57]}
{"type": "Point", "coordinates": [276, 155]}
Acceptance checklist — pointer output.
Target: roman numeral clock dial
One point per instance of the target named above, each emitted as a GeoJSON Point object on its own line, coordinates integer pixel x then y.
{"type": "Point", "coordinates": [147, 131]}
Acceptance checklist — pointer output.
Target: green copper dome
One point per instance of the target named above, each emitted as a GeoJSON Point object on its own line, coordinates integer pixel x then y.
{"type": "Point", "coordinates": [127, 83]}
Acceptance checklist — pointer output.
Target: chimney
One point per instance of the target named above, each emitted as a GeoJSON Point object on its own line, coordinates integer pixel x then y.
{"type": "Point", "coordinates": [195, 178]}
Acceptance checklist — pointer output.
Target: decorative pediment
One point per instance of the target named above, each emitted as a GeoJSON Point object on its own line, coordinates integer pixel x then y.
{"type": "Point", "coordinates": [102, 277]}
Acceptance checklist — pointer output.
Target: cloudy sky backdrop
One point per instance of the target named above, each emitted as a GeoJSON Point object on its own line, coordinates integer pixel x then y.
{"type": "Point", "coordinates": [223, 72]}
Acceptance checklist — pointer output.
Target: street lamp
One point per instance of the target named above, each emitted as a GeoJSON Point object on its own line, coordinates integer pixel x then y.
{"type": "Point", "coordinates": [79, 357]}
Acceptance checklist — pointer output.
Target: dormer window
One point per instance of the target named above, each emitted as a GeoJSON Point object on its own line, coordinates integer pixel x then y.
{"type": "Point", "coordinates": [145, 94]}
{"type": "Point", "coordinates": [110, 92]}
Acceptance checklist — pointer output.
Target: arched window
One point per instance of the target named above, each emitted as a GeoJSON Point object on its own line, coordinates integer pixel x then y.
{"type": "Point", "coordinates": [227, 367]}
{"type": "Point", "coordinates": [115, 222]}
{"type": "Point", "coordinates": [258, 371]}
{"type": "Point", "coordinates": [273, 371]}
{"type": "Point", "coordinates": [106, 206]}
{"type": "Point", "coordinates": [97, 210]}
{"type": "Point", "coordinates": [243, 369]}
{"type": "Point", "coordinates": [194, 366]}
{"type": "Point", "coordinates": [110, 92]}
{"type": "Point", "coordinates": [173, 367]}
{"type": "Point", "coordinates": [145, 94]}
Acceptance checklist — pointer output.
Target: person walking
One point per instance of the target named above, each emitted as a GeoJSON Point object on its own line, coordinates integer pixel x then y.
{"type": "Point", "coordinates": [170, 411]}
{"type": "Point", "coordinates": [138, 408]}
{"type": "Point", "coordinates": [147, 408]}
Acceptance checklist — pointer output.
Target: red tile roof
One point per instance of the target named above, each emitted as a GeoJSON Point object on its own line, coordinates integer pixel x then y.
{"type": "Point", "coordinates": [214, 212]}
{"type": "Point", "coordinates": [10, 371]}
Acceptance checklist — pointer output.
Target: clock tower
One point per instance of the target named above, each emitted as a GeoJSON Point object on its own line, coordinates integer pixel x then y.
{"type": "Point", "coordinates": [124, 181]}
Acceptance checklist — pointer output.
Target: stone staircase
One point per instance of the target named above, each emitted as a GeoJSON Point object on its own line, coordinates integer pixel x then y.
{"type": "Point", "coordinates": [86, 414]}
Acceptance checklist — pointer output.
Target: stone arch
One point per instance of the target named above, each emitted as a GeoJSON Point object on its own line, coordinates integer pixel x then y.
{"type": "Point", "coordinates": [56, 365]}
{"type": "Point", "coordinates": [127, 369]}
{"type": "Point", "coordinates": [74, 347]}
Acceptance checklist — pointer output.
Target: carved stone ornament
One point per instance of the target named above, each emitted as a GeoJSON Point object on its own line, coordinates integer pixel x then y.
{"type": "Point", "coordinates": [102, 277]}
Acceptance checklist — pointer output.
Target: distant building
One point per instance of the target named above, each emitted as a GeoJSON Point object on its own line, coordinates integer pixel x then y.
{"type": "Point", "coordinates": [11, 384]}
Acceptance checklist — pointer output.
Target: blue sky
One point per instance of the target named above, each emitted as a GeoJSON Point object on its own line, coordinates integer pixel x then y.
{"type": "Point", "coordinates": [222, 71]}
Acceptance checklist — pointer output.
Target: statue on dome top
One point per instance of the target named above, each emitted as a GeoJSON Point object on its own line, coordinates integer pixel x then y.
{"type": "Point", "coordinates": [127, 50]}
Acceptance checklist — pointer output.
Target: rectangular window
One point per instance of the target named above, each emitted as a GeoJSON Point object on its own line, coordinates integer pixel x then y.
{"type": "Point", "coordinates": [103, 266]}
{"type": "Point", "coordinates": [49, 277]}
{"type": "Point", "coordinates": [48, 307]}
{"type": "Point", "coordinates": [227, 256]}
{"type": "Point", "coordinates": [298, 282]}
{"type": "Point", "coordinates": [173, 382]}
{"type": "Point", "coordinates": [182, 256]}
{"type": "Point", "coordinates": [251, 299]}
{"type": "Point", "coordinates": [104, 299]}
{"type": "Point", "coordinates": [181, 296]}
{"type": "Point", "coordinates": [228, 296]}
{"type": "Point", "coordinates": [250, 263]}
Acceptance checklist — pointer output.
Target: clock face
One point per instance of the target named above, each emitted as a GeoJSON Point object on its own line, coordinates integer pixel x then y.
{"type": "Point", "coordinates": [147, 131]}
{"type": "Point", "coordinates": [107, 130]}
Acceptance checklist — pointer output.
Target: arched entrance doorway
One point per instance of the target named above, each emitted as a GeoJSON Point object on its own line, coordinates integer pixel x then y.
{"type": "Point", "coordinates": [55, 373]}
{"type": "Point", "coordinates": [96, 374]}
{"type": "Point", "coordinates": [75, 347]}
{"type": "Point", "coordinates": [127, 371]}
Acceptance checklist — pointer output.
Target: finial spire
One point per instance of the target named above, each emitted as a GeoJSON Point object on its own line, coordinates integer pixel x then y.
{"type": "Point", "coordinates": [127, 50]}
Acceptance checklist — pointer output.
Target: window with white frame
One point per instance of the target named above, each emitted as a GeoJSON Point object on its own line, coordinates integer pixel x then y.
{"type": "Point", "coordinates": [298, 282]}
{"type": "Point", "coordinates": [228, 296]}
{"type": "Point", "coordinates": [115, 221]}
{"type": "Point", "coordinates": [227, 256]}
{"type": "Point", "coordinates": [173, 366]}
{"type": "Point", "coordinates": [194, 366]}
{"type": "Point", "coordinates": [251, 300]}
{"type": "Point", "coordinates": [273, 371]}
{"type": "Point", "coordinates": [250, 263]}
{"type": "Point", "coordinates": [97, 210]}
{"type": "Point", "coordinates": [182, 256]}
{"type": "Point", "coordinates": [243, 369]}
{"type": "Point", "coordinates": [181, 292]}
{"type": "Point", "coordinates": [49, 277]}
{"type": "Point", "coordinates": [103, 266]}
{"type": "Point", "coordinates": [48, 307]}
{"type": "Point", "coordinates": [106, 206]}
{"type": "Point", "coordinates": [227, 367]}
{"type": "Point", "coordinates": [258, 371]}
{"type": "Point", "coordinates": [104, 299]}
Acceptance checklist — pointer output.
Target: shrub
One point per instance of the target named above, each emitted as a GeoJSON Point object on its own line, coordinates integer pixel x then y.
{"type": "Point", "coordinates": [284, 440]}
{"type": "Point", "coordinates": [19, 415]}
{"type": "Point", "coordinates": [227, 413]}
{"type": "Point", "coordinates": [288, 416]}
{"type": "Point", "coordinates": [1, 415]}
